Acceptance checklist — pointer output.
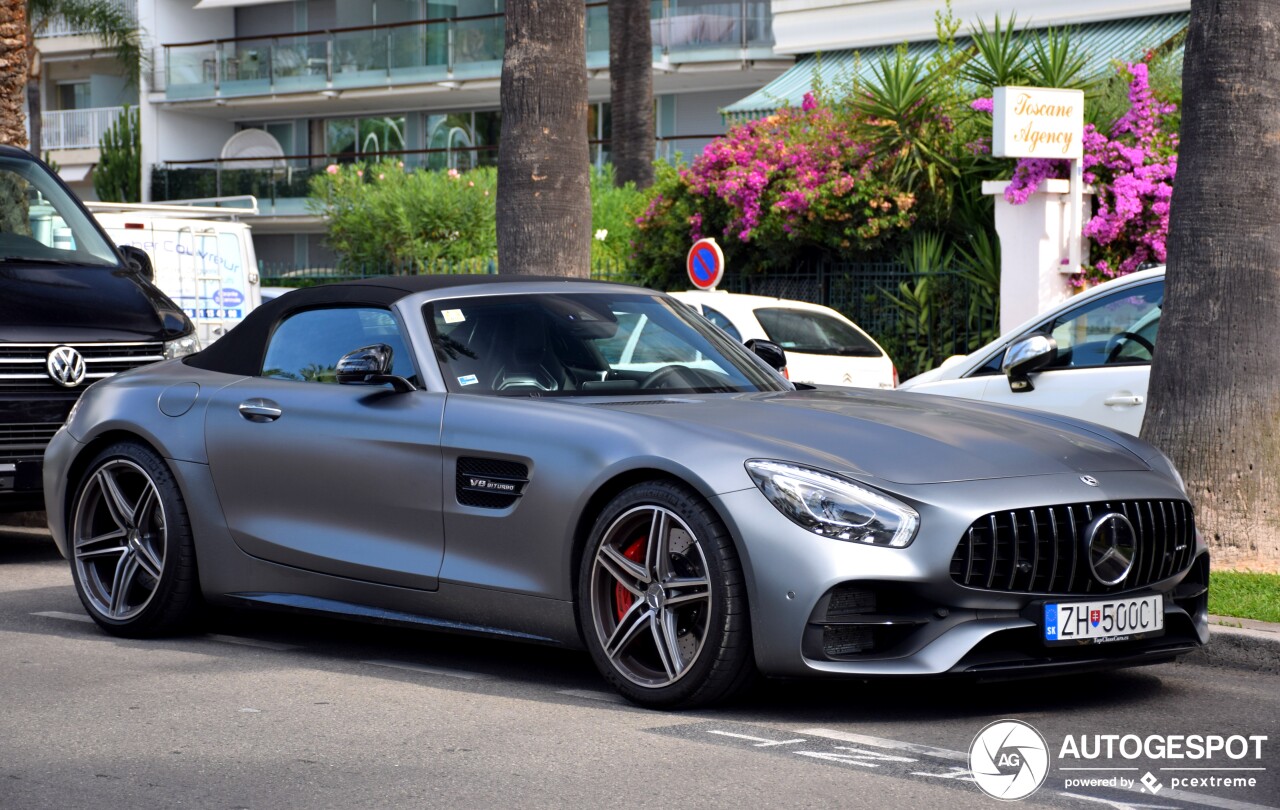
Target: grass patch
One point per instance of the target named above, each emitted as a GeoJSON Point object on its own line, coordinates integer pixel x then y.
{"type": "Point", "coordinates": [1245, 595]}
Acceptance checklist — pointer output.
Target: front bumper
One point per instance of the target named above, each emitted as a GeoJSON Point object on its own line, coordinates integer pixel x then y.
{"type": "Point", "coordinates": [828, 607]}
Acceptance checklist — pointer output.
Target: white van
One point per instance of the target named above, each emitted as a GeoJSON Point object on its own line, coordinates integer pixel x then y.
{"type": "Point", "coordinates": [203, 258]}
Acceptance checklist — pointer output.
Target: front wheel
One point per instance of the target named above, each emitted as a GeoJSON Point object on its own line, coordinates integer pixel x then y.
{"type": "Point", "coordinates": [662, 600]}
{"type": "Point", "coordinates": [132, 557]}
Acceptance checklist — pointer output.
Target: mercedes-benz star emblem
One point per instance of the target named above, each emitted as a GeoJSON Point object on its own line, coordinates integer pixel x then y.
{"type": "Point", "coordinates": [1111, 546]}
{"type": "Point", "coordinates": [65, 366]}
{"type": "Point", "coordinates": [1090, 480]}
{"type": "Point", "coordinates": [1009, 760]}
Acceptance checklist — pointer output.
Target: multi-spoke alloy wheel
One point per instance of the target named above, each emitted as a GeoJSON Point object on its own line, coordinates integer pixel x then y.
{"type": "Point", "coordinates": [130, 544]}
{"type": "Point", "coordinates": [662, 600]}
{"type": "Point", "coordinates": [651, 593]}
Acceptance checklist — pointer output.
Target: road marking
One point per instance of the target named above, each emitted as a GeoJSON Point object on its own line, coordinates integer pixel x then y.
{"type": "Point", "coordinates": [880, 742]}
{"type": "Point", "coordinates": [760, 742]}
{"type": "Point", "coordinates": [448, 673]}
{"type": "Point", "coordinates": [604, 697]}
{"type": "Point", "coordinates": [251, 642]}
{"type": "Point", "coordinates": [58, 614]}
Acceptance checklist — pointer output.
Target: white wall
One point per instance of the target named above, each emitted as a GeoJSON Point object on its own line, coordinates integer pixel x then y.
{"type": "Point", "coordinates": [168, 135]}
{"type": "Point", "coordinates": [806, 26]}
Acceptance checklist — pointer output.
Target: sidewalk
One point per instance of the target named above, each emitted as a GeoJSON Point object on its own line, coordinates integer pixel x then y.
{"type": "Point", "coordinates": [1240, 644]}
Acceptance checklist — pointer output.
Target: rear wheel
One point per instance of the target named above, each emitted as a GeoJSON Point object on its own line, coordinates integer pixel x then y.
{"type": "Point", "coordinates": [132, 556]}
{"type": "Point", "coordinates": [662, 600]}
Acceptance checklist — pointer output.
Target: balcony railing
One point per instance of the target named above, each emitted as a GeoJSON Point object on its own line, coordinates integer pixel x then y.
{"type": "Point", "coordinates": [284, 189]}
{"type": "Point", "coordinates": [57, 26]}
{"type": "Point", "coordinates": [442, 50]}
{"type": "Point", "coordinates": [76, 129]}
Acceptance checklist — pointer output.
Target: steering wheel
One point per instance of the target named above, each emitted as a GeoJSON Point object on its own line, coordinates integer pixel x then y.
{"type": "Point", "coordinates": [659, 377]}
{"type": "Point", "coordinates": [1118, 342]}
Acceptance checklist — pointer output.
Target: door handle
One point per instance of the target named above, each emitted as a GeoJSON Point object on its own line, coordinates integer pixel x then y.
{"type": "Point", "coordinates": [260, 410]}
{"type": "Point", "coordinates": [1124, 400]}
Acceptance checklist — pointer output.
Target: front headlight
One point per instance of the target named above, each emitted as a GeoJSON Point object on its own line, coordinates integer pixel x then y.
{"type": "Point", "coordinates": [181, 347]}
{"type": "Point", "coordinates": [834, 507]}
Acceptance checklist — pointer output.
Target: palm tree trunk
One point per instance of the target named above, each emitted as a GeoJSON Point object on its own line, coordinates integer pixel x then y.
{"type": "Point", "coordinates": [1215, 381]}
{"type": "Point", "coordinates": [544, 195]}
{"type": "Point", "coordinates": [13, 71]}
{"type": "Point", "coordinates": [631, 91]}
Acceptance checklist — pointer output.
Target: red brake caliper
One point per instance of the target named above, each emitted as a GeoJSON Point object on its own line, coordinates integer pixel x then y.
{"type": "Point", "coordinates": [623, 598]}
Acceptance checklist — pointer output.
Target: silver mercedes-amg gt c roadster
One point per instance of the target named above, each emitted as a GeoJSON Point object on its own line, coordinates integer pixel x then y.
{"type": "Point", "coordinates": [594, 465]}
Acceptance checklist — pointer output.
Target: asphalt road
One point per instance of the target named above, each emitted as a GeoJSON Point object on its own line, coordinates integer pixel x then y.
{"type": "Point", "coordinates": [268, 711]}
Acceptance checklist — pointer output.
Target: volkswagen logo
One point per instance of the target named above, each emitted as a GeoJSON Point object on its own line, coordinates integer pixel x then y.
{"type": "Point", "coordinates": [1111, 546]}
{"type": "Point", "coordinates": [65, 366]}
{"type": "Point", "coordinates": [1090, 480]}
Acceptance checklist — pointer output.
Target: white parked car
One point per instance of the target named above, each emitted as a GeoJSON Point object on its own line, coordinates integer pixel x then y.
{"type": "Point", "coordinates": [1089, 357]}
{"type": "Point", "coordinates": [822, 346]}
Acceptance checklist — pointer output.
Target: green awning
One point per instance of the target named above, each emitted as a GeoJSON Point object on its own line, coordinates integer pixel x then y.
{"type": "Point", "coordinates": [1101, 42]}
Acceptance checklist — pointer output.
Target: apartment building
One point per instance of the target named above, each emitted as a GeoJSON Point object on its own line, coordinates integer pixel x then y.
{"type": "Point", "coordinates": [83, 91]}
{"type": "Point", "coordinates": [838, 39]}
{"type": "Point", "coordinates": [255, 96]}
{"type": "Point", "coordinates": [339, 81]}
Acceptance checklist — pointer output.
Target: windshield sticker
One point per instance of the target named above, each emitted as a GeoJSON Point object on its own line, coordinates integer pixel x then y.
{"type": "Point", "coordinates": [453, 316]}
{"type": "Point", "coordinates": [469, 379]}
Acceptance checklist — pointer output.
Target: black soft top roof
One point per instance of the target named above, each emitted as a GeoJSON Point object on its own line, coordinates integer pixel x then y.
{"type": "Point", "coordinates": [240, 351]}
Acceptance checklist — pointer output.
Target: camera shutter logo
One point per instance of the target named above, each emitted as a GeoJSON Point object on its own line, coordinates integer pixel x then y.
{"type": "Point", "coordinates": [1009, 760]}
{"type": "Point", "coordinates": [65, 366]}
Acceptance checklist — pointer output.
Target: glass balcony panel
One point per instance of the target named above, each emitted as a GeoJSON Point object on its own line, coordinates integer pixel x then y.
{"type": "Point", "coordinates": [463, 49]}
{"type": "Point", "coordinates": [477, 48]}
{"type": "Point", "coordinates": [597, 37]}
{"type": "Point", "coordinates": [300, 63]}
{"type": "Point", "coordinates": [246, 67]}
{"type": "Point", "coordinates": [191, 70]}
{"type": "Point", "coordinates": [360, 57]}
{"type": "Point", "coordinates": [419, 52]}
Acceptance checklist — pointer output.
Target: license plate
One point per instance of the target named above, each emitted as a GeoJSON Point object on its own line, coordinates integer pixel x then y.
{"type": "Point", "coordinates": [1103, 621]}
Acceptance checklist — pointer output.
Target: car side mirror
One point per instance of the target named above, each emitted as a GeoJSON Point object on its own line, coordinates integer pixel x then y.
{"type": "Point", "coordinates": [1024, 356]}
{"type": "Point", "coordinates": [769, 352]}
{"type": "Point", "coordinates": [137, 260]}
{"type": "Point", "coordinates": [371, 365]}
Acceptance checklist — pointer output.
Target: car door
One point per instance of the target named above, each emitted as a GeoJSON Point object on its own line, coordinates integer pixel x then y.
{"type": "Point", "coordinates": [338, 479]}
{"type": "Point", "coordinates": [1103, 364]}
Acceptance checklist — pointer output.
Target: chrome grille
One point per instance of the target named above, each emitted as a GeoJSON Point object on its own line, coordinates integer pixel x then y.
{"type": "Point", "coordinates": [22, 365]}
{"type": "Point", "coordinates": [1042, 550]}
{"type": "Point", "coordinates": [25, 441]}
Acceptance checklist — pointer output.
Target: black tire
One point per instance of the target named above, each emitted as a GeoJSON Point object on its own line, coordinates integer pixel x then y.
{"type": "Point", "coordinates": [668, 631]}
{"type": "Point", "coordinates": [132, 556]}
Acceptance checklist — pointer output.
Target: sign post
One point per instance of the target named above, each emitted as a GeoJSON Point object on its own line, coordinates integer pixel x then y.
{"type": "Point", "coordinates": [1043, 122]}
{"type": "Point", "coordinates": [705, 264]}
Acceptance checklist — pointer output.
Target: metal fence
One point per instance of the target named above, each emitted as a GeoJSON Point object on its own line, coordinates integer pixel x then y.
{"type": "Point", "coordinates": [921, 318]}
{"type": "Point", "coordinates": [76, 129]}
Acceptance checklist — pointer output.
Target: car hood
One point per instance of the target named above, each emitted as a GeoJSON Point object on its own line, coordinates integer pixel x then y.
{"type": "Point", "coordinates": [898, 437]}
{"type": "Point", "coordinates": [84, 304]}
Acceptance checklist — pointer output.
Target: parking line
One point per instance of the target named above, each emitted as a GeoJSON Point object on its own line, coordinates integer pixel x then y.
{"type": "Point", "coordinates": [448, 673]}
{"type": "Point", "coordinates": [58, 614]}
{"type": "Point", "coordinates": [880, 742]}
{"type": "Point", "coordinates": [251, 642]}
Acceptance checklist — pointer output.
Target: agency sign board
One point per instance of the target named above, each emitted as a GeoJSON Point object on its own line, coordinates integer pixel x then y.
{"type": "Point", "coordinates": [1037, 122]}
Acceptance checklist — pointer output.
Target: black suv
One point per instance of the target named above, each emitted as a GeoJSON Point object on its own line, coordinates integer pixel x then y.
{"type": "Point", "coordinates": [73, 309]}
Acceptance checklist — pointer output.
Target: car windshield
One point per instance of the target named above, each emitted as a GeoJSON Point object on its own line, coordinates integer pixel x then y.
{"type": "Point", "coordinates": [587, 344]}
{"type": "Point", "coordinates": [41, 223]}
{"type": "Point", "coordinates": [809, 332]}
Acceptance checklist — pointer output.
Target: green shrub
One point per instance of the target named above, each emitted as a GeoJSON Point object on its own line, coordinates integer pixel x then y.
{"type": "Point", "coordinates": [118, 175]}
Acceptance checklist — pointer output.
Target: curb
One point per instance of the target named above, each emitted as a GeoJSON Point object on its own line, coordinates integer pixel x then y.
{"type": "Point", "coordinates": [1240, 644]}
